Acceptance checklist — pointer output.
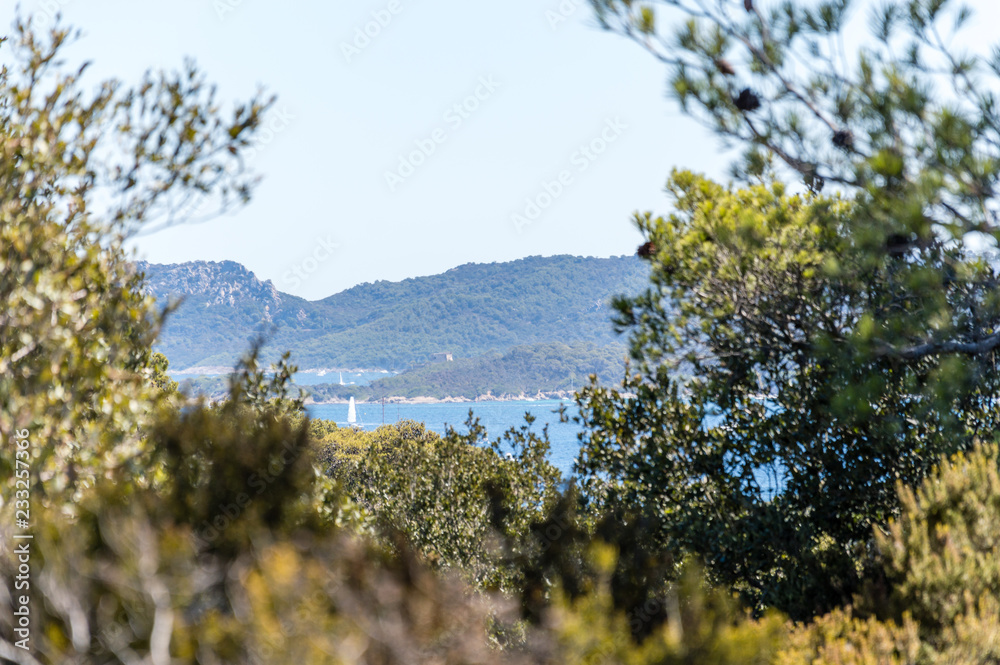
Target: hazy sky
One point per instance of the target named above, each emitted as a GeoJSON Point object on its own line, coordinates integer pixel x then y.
{"type": "Point", "coordinates": [530, 95]}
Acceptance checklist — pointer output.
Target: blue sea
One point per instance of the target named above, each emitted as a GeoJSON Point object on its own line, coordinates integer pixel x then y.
{"type": "Point", "coordinates": [496, 417]}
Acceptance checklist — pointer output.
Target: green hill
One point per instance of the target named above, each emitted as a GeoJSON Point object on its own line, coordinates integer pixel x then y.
{"type": "Point", "coordinates": [523, 370]}
{"type": "Point", "coordinates": [472, 310]}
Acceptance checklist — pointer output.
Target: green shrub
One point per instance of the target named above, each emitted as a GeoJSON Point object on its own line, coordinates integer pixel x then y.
{"type": "Point", "coordinates": [454, 498]}
{"type": "Point", "coordinates": [941, 558]}
{"type": "Point", "coordinates": [704, 626]}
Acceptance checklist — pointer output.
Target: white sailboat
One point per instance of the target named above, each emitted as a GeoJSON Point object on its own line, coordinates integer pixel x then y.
{"type": "Point", "coordinates": [352, 415]}
{"type": "Point", "coordinates": [341, 378]}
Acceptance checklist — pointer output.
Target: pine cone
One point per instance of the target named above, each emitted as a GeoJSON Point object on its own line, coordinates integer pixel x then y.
{"type": "Point", "coordinates": [747, 101]}
{"type": "Point", "coordinates": [843, 139]}
{"type": "Point", "coordinates": [724, 67]}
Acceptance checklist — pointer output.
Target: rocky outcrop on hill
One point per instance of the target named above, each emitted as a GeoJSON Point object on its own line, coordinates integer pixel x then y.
{"type": "Point", "coordinates": [212, 283]}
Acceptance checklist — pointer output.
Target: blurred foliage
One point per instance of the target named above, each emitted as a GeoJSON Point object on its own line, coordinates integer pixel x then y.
{"type": "Point", "coordinates": [703, 626]}
{"type": "Point", "coordinates": [266, 391]}
{"type": "Point", "coordinates": [941, 557]}
{"type": "Point", "coordinates": [158, 366]}
{"type": "Point", "coordinates": [943, 552]}
{"type": "Point", "coordinates": [82, 169]}
{"type": "Point", "coordinates": [221, 553]}
{"type": "Point", "coordinates": [454, 497]}
{"type": "Point", "coordinates": [764, 422]}
{"type": "Point", "coordinates": [904, 118]}
{"type": "Point", "coordinates": [789, 397]}
{"type": "Point", "coordinates": [842, 638]}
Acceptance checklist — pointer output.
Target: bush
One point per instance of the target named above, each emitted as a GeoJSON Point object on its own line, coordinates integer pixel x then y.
{"type": "Point", "coordinates": [941, 558]}
{"type": "Point", "coordinates": [764, 422]}
{"type": "Point", "coordinates": [454, 498]}
{"type": "Point", "coordinates": [219, 553]}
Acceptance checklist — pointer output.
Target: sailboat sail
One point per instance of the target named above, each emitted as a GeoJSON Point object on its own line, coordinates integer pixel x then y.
{"type": "Point", "coordinates": [352, 416]}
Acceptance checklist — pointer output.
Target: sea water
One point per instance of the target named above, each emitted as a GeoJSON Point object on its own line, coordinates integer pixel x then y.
{"type": "Point", "coordinates": [496, 417]}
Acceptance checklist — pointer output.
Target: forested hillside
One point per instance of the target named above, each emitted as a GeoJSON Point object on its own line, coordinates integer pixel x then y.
{"type": "Point", "coordinates": [468, 311]}
{"type": "Point", "coordinates": [523, 370]}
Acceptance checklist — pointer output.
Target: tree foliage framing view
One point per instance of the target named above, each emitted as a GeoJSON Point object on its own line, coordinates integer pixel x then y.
{"type": "Point", "coordinates": [797, 356]}
{"type": "Point", "coordinates": [810, 417]}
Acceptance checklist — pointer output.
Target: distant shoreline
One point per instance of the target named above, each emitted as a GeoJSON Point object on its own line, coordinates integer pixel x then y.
{"type": "Point", "coordinates": [555, 395]}
{"type": "Point", "coordinates": [223, 370]}
{"type": "Point", "coordinates": [537, 397]}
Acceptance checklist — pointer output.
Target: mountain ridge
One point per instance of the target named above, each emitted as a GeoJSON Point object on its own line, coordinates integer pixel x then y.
{"type": "Point", "coordinates": [469, 310]}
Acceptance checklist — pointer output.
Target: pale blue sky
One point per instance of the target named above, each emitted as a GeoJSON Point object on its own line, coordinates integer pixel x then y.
{"type": "Point", "coordinates": [544, 92]}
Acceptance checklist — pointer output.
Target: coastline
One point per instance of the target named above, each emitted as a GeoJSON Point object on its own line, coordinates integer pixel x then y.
{"type": "Point", "coordinates": [542, 395]}
{"type": "Point", "coordinates": [396, 399]}
{"type": "Point", "coordinates": [218, 370]}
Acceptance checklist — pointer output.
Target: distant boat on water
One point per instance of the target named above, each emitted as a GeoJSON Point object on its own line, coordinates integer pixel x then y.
{"type": "Point", "coordinates": [322, 372]}
{"type": "Point", "coordinates": [352, 415]}
{"type": "Point", "coordinates": [341, 378]}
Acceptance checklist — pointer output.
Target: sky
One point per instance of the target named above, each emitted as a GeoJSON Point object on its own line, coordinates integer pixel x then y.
{"type": "Point", "coordinates": [452, 132]}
